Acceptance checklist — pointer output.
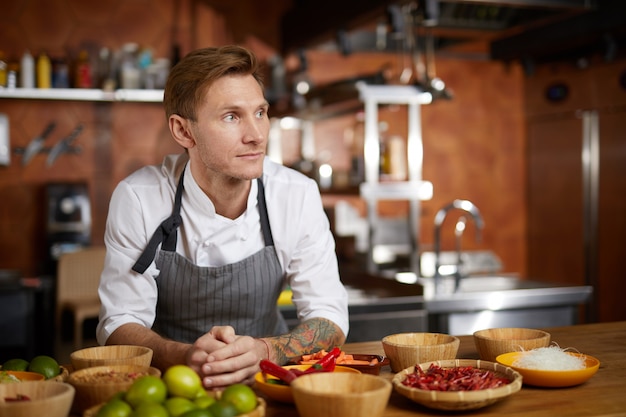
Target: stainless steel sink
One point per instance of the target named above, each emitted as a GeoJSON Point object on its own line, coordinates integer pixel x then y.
{"type": "Point", "coordinates": [500, 301]}
{"type": "Point", "coordinates": [479, 283]}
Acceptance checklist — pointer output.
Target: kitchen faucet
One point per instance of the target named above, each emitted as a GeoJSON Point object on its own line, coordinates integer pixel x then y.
{"type": "Point", "coordinates": [469, 208]}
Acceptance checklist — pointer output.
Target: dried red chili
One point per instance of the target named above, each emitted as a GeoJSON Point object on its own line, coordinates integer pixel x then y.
{"type": "Point", "coordinates": [462, 378]}
{"type": "Point", "coordinates": [18, 397]}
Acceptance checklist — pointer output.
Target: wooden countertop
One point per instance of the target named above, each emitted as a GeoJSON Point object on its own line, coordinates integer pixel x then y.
{"type": "Point", "coordinates": [603, 395]}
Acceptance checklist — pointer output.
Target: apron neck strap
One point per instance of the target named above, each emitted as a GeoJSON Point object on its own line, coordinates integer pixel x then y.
{"type": "Point", "coordinates": [165, 233]}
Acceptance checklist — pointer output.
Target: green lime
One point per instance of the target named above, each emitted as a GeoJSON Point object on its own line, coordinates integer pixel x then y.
{"type": "Point", "coordinates": [146, 389]}
{"type": "Point", "coordinates": [221, 408]}
{"type": "Point", "coordinates": [15, 365]}
{"type": "Point", "coordinates": [115, 408]}
{"type": "Point", "coordinates": [200, 412]}
{"type": "Point", "coordinates": [149, 409]}
{"type": "Point", "coordinates": [204, 401]}
{"type": "Point", "coordinates": [177, 406]}
{"type": "Point", "coordinates": [182, 381]}
{"type": "Point", "coordinates": [44, 365]}
{"type": "Point", "coordinates": [241, 396]}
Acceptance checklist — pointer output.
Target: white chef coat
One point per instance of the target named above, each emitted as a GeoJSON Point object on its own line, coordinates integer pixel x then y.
{"type": "Point", "coordinates": [301, 231]}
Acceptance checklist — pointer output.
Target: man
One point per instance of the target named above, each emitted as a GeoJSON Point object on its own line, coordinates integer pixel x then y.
{"type": "Point", "coordinates": [200, 247]}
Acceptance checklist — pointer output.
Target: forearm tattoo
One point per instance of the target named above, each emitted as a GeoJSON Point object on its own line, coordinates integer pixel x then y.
{"type": "Point", "coordinates": [309, 336]}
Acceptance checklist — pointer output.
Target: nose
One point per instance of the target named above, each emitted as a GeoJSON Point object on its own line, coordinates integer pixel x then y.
{"type": "Point", "coordinates": [256, 130]}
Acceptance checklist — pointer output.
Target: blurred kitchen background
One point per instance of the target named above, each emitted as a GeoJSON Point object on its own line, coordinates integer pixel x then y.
{"type": "Point", "coordinates": [515, 107]}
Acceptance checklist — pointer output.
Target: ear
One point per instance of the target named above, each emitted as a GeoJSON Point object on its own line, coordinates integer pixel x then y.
{"type": "Point", "coordinates": [181, 131]}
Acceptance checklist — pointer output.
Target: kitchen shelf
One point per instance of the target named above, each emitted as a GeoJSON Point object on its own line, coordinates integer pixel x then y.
{"type": "Point", "coordinates": [84, 94]}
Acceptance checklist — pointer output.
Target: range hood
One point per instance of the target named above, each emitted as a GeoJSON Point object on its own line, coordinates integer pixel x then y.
{"type": "Point", "coordinates": [541, 30]}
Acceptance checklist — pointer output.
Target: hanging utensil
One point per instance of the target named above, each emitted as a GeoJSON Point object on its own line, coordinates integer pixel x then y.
{"type": "Point", "coordinates": [64, 146]}
{"type": "Point", "coordinates": [36, 145]}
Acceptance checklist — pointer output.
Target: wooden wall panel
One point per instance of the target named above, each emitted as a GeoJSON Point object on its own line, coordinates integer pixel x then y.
{"type": "Point", "coordinates": [474, 144]}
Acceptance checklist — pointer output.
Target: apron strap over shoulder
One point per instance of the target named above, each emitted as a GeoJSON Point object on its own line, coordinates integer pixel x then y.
{"type": "Point", "coordinates": [165, 233]}
{"type": "Point", "coordinates": [265, 221]}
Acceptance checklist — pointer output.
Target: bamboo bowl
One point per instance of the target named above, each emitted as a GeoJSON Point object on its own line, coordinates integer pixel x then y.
{"type": "Point", "coordinates": [410, 349]}
{"type": "Point", "coordinates": [491, 343]}
{"type": "Point", "coordinates": [341, 395]}
{"type": "Point", "coordinates": [267, 385]}
{"type": "Point", "coordinates": [459, 400]}
{"type": "Point", "coordinates": [47, 398]}
{"type": "Point", "coordinates": [100, 383]}
{"type": "Point", "coordinates": [111, 355]}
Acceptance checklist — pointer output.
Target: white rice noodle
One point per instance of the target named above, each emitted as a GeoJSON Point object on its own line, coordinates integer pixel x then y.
{"type": "Point", "coordinates": [551, 358]}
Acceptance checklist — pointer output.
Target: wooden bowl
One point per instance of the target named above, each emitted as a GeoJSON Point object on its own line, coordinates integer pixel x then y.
{"type": "Point", "coordinates": [491, 343]}
{"type": "Point", "coordinates": [283, 393]}
{"type": "Point", "coordinates": [100, 383]}
{"type": "Point", "coordinates": [459, 400]}
{"type": "Point", "coordinates": [371, 368]}
{"type": "Point", "coordinates": [63, 375]}
{"type": "Point", "coordinates": [341, 395]}
{"type": "Point", "coordinates": [410, 349]}
{"type": "Point", "coordinates": [47, 398]}
{"type": "Point", "coordinates": [24, 376]}
{"type": "Point", "coordinates": [111, 355]}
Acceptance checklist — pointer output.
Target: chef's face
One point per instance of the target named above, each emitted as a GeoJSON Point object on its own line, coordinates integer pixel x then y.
{"type": "Point", "coordinates": [231, 128]}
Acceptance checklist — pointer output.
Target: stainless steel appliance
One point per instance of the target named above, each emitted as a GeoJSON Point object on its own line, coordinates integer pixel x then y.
{"type": "Point", "coordinates": [68, 221]}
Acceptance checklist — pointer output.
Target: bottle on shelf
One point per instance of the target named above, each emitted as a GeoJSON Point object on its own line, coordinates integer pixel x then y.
{"type": "Point", "coordinates": [357, 149]}
{"type": "Point", "coordinates": [4, 70]}
{"type": "Point", "coordinates": [27, 71]}
{"type": "Point", "coordinates": [106, 70]}
{"type": "Point", "coordinates": [130, 74]}
{"type": "Point", "coordinates": [13, 68]}
{"type": "Point", "coordinates": [82, 74]}
{"type": "Point", "coordinates": [60, 73]}
{"type": "Point", "coordinates": [44, 71]}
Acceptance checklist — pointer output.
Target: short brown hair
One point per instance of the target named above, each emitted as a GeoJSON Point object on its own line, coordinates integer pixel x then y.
{"type": "Point", "coordinates": [193, 75]}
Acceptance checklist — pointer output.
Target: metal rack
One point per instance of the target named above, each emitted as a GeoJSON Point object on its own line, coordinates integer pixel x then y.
{"type": "Point", "coordinates": [413, 190]}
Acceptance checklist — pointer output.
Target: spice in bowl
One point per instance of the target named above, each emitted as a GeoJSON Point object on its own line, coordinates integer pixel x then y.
{"type": "Point", "coordinates": [459, 378]}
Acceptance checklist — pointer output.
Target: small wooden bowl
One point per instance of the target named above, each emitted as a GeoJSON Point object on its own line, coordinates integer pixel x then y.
{"type": "Point", "coordinates": [459, 400]}
{"type": "Point", "coordinates": [283, 393]}
{"type": "Point", "coordinates": [373, 369]}
{"type": "Point", "coordinates": [97, 385]}
{"type": "Point", "coordinates": [47, 398]}
{"type": "Point", "coordinates": [409, 349]}
{"type": "Point", "coordinates": [341, 395]}
{"type": "Point", "coordinates": [24, 376]}
{"type": "Point", "coordinates": [491, 343]}
{"type": "Point", "coordinates": [111, 355]}
{"type": "Point", "coordinates": [62, 376]}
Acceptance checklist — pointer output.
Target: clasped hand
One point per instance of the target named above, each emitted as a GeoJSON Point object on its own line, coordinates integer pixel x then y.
{"type": "Point", "coordinates": [223, 358]}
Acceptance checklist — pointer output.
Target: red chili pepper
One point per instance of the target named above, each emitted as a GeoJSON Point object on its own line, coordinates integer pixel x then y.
{"type": "Point", "coordinates": [453, 379]}
{"type": "Point", "coordinates": [18, 397]}
{"type": "Point", "coordinates": [285, 375]}
{"type": "Point", "coordinates": [325, 364]}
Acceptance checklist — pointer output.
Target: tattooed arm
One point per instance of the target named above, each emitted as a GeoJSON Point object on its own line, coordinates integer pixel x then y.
{"type": "Point", "coordinates": [229, 358]}
{"type": "Point", "coordinates": [309, 336]}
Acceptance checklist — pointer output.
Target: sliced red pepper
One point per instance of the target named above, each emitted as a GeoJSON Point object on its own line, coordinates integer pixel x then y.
{"type": "Point", "coordinates": [284, 374]}
{"type": "Point", "coordinates": [325, 364]}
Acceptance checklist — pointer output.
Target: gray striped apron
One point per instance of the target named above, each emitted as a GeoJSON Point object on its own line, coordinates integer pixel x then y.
{"type": "Point", "coordinates": [192, 298]}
